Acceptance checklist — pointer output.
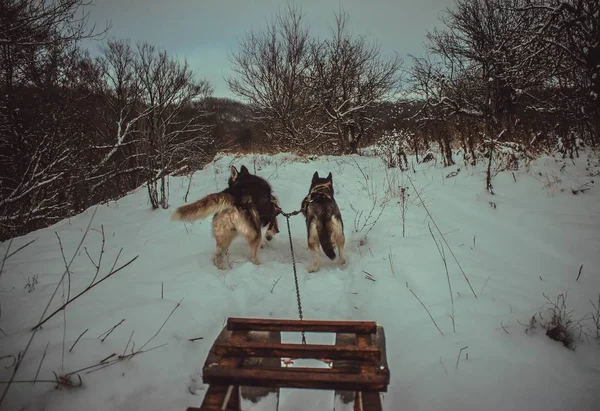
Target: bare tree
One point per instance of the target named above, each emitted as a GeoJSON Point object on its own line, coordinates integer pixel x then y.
{"type": "Point", "coordinates": [571, 29]}
{"type": "Point", "coordinates": [113, 143]}
{"type": "Point", "coordinates": [313, 92]}
{"type": "Point", "coordinates": [174, 131]}
{"type": "Point", "coordinates": [351, 80]}
{"type": "Point", "coordinates": [40, 131]}
{"type": "Point", "coordinates": [271, 71]}
{"type": "Point", "coordinates": [487, 67]}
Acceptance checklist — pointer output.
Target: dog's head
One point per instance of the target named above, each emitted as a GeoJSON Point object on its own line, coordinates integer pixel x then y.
{"type": "Point", "coordinates": [320, 183]}
{"type": "Point", "coordinates": [237, 176]}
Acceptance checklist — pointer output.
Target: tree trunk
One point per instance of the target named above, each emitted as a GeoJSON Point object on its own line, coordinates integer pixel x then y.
{"type": "Point", "coordinates": [448, 160]}
{"type": "Point", "coordinates": [488, 176]}
{"type": "Point", "coordinates": [472, 149]}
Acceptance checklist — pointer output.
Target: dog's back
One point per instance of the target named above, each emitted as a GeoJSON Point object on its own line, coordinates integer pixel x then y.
{"type": "Point", "coordinates": [323, 220]}
{"type": "Point", "coordinates": [325, 214]}
{"type": "Point", "coordinates": [246, 184]}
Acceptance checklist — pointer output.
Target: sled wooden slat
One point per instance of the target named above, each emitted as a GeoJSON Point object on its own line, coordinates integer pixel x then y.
{"type": "Point", "coordinates": [330, 352]}
{"type": "Point", "coordinates": [214, 398]}
{"type": "Point", "coordinates": [290, 378]}
{"type": "Point", "coordinates": [247, 356]}
{"type": "Point", "coordinates": [216, 394]}
{"type": "Point", "coordinates": [260, 324]}
{"type": "Point", "coordinates": [369, 400]}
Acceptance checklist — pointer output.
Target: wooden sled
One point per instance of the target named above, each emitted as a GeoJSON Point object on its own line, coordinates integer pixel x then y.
{"type": "Point", "coordinates": [246, 360]}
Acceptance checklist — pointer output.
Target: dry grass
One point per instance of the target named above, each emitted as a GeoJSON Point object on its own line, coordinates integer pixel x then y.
{"type": "Point", "coordinates": [558, 322]}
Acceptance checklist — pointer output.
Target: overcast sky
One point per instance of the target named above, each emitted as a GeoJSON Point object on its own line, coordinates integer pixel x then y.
{"type": "Point", "coordinates": [207, 31]}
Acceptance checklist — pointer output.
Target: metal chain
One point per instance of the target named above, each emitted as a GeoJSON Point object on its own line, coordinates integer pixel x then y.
{"type": "Point", "coordinates": [287, 216]}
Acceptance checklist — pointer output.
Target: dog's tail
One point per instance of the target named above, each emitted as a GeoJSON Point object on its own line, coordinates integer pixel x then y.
{"type": "Point", "coordinates": [211, 204]}
{"type": "Point", "coordinates": [326, 235]}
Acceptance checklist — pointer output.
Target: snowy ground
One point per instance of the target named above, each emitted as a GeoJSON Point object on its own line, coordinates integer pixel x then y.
{"type": "Point", "coordinates": [529, 243]}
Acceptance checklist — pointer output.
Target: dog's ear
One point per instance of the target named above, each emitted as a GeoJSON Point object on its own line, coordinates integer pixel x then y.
{"type": "Point", "coordinates": [244, 170]}
{"type": "Point", "coordinates": [234, 173]}
{"type": "Point", "coordinates": [315, 176]}
{"type": "Point", "coordinates": [330, 177]}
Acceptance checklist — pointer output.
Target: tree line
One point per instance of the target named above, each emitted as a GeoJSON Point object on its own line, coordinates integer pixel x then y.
{"type": "Point", "coordinates": [522, 73]}
{"type": "Point", "coordinates": [78, 128]}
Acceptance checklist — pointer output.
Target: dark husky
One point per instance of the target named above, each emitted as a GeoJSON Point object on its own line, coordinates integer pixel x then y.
{"type": "Point", "coordinates": [324, 223]}
{"type": "Point", "coordinates": [241, 209]}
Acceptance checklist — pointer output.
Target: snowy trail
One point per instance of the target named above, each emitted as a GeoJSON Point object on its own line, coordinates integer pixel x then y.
{"type": "Point", "coordinates": [534, 232]}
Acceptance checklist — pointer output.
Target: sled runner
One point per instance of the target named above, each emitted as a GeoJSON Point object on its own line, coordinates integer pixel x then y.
{"type": "Point", "coordinates": [244, 363]}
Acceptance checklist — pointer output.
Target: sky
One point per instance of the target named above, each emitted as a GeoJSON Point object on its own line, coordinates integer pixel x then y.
{"type": "Point", "coordinates": [207, 32]}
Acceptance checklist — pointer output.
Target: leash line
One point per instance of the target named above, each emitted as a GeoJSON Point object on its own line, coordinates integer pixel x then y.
{"type": "Point", "coordinates": [287, 217]}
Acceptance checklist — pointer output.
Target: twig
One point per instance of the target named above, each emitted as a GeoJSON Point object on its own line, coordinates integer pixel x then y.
{"type": "Point", "coordinates": [391, 264]}
{"type": "Point", "coordinates": [101, 254]}
{"type": "Point", "coordinates": [89, 287]}
{"type": "Point", "coordinates": [185, 198]}
{"type": "Point", "coordinates": [20, 248]}
{"type": "Point", "coordinates": [443, 366]}
{"type": "Point", "coordinates": [5, 256]}
{"type": "Point", "coordinates": [41, 362]}
{"type": "Point", "coordinates": [104, 363]}
{"type": "Point", "coordinates": [430, 316]}
{"type": "Point", "coordinates": [66, 381]}
{"type": "Point", "coordinates": [376, 219]}
{"type": "Point", "coordinates": [161, 327]}
{"type": "Point", "coordinates": [62, 252]}
{"type": "Point", "coordinates": [275, 283]}
{"type": "Point", "coordinates": [443, 238]}
{"type": "Point", "coordinates": [195, 339]}
{"type": "Point", "coordinates": [596, 316]}
{"type": "Point", "coordinates": [484, 284]}
{"type": "Point", "coordinates": [119, 359]}
{"type": "Point", "coordinates": [502, 325]}
{"type": "Point", "coordinates": [46, 309]}
{"type": "Point", "coordinates": [29, 381]}
{"type": "Point", "coordinates": [109, 331]}
{"type": "Point", "coordinates": [440, 249]}
{"type": "Point", "coordinates": [459, 352]}
{"type": "Point", "coordinates": [127, 346]}
{"type": "Point", "coordinates": [162, 290]}
{"type": "Point", "coordinates": [116, 259]}
{"type": "Point", "coordinates": [578, 275]}
{"type": "Point", "coordinates": [368, 276]}
{"type": "Point", "coordinates": [1, 330]}
{"type": "Point", "coordinates": [78, 338]}
{"type": "Point", "coordinates": [64, 336]}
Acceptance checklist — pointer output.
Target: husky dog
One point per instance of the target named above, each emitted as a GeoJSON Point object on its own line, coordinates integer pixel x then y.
{"type": "Point", "coordinates": [324, 223]}
{"type": "Point", "coordinates": [243, 208]}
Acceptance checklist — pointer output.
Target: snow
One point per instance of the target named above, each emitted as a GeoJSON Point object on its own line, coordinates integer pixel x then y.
{"type": "Point", "coordinates": [526, 242]}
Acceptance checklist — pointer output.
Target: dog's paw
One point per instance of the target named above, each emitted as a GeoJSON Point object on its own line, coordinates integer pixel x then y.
{"type": "Point", "coordinates": [255, 261]}
{"type": "Point", "coordinates": [313, 269]}
{"type": "Point", "coordinates": [218, 262]}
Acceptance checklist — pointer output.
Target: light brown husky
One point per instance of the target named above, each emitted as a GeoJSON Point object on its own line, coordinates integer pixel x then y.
{"type": "Point", "coordinates": [241, 209]}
